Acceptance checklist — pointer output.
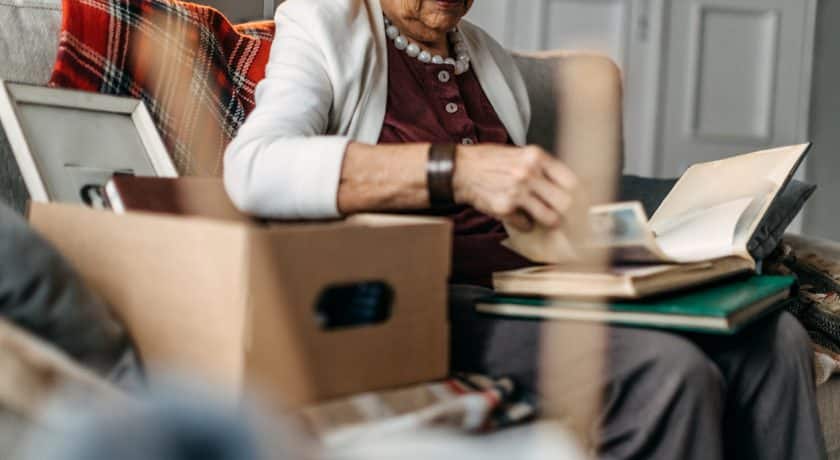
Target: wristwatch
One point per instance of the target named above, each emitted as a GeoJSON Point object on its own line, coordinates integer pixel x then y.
{"type": "Point", "coordinates": [440, 168]}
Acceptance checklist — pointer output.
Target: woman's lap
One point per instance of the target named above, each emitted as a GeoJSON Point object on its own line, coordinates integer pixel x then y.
{"type": "Point", "coordinates": [511, 347]}
{"type": "Point", "coordinates": [664, 393]}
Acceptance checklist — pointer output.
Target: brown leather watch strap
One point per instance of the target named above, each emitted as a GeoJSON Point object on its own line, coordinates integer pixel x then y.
{"type": "Point", "coordinates": [440, 169]}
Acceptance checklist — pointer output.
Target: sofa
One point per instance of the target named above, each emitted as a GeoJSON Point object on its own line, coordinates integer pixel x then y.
{"type": "Point", "coordinates": [28, 39]}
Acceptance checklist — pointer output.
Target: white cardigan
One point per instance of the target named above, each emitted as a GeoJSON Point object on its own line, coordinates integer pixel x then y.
{"type": "Point", "coordinates": [326, 84]}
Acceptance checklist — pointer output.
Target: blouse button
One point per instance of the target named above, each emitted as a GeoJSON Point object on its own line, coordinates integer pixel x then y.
{"type": "Point", "coordinates": [451, 107]}
{"type": "Point", "coordinates": [444, 76]}
{"type": "Point", "coordinates": [467, 141]}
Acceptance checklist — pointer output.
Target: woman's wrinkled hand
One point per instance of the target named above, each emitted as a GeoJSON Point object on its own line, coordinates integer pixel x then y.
{"type": "Point", "coordinates": [522, 186]}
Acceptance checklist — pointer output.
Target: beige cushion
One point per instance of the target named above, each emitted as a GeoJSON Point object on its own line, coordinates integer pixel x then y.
{"type": "Point", "coordinates": [828, 400]}
{"type": "Point", "coordinates": [29, 32]}
{"type": "Point", "coordinates": [576, 113]}
{"type": "Point", "coordinates": [556, 78]}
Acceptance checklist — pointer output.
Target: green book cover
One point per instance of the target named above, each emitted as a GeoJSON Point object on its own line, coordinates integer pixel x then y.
{"type": "Point", "coordinates": [722, 308]}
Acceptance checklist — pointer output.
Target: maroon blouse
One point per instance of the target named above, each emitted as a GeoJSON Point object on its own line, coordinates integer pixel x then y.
{"type": "Point", "coordinates": [429, 103]}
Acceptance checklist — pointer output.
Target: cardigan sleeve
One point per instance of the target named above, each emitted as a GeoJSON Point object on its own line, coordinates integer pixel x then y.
{"type": "Point", "coordinates": [281, 164]}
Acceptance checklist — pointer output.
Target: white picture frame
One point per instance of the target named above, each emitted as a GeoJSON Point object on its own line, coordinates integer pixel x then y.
{"type": "Point", "coordinates": [65, 141]}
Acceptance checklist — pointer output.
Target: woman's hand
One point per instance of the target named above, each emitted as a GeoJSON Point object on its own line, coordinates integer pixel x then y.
{"type": "Point", "coordinates": [518, 185]}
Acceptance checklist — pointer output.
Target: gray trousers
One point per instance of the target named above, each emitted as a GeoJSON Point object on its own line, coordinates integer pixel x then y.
{"type": "Point", "coordinates": [671, 395]}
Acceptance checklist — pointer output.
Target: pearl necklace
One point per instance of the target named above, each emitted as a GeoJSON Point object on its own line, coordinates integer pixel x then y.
{"type": "Point", "coordinates": [461, 63]}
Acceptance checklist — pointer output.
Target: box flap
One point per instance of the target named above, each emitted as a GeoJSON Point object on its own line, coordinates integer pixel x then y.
{"type": "Point", "coordinates": [176, 282]}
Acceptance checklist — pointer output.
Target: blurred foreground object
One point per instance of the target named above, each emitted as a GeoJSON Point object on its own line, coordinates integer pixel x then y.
{"type": "Point", "coordinates": [467, 403]}
{"type": "Point", "coordinates": [181, 422]}
{"type": "Point", "coordinates": [537, 441]}
{"type": "Point", "coordinates": [41, 293]}
{"type": "Point", "coordinates": [31, 373]}
{"type": "Point", "coordinates": [591, 144]}
{"type": "Point", "coordinates": [54, 332]}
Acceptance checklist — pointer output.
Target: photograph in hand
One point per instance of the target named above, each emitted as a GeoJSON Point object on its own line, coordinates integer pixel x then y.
{"type": "Point", "coordinates": [619, 224]}
{"type": "Point", "coordinates": [624, 229]}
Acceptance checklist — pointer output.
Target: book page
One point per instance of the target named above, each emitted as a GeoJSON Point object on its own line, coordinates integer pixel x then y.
{"type": "Point", "coordinates": [692, 237]}
{"type": "Point", "coordinates": [704, 234]}
{"type": "Point", "coordinates": [705, 186]}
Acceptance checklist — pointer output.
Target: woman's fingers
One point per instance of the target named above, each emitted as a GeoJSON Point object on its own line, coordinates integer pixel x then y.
{"type": "Point", "coordinates": [524, 186]}
{"type": "Point", "coordinates": [539, 212]}
{"type": "Point", "coordinates": [555, 197]}
{"type": "Point", "coordinates": [560, 174]}
{"type": "Point", "coordinates": [520, 221]}
{"type": "Point", "coordinates": [544, 192]}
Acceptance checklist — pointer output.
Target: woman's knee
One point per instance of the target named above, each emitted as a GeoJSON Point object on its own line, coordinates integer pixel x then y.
{"type": "Point", "coordinates": [792, 348]}
{"type": "Point", "coordinates": [670, 358]}
{"type": "Point", "coordinates": [692, 368]}
{"type": "Point", "coordinates": [778, 347]}
{"type": "Point", "coordinates": [790, 336]}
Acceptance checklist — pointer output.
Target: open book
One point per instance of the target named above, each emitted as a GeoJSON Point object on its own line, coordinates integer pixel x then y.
{"type": "Point", "coordinates": [700, 232]}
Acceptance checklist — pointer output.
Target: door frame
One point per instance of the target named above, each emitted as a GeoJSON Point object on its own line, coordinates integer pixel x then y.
{"type": "Point", "coordinates": [268, 8]}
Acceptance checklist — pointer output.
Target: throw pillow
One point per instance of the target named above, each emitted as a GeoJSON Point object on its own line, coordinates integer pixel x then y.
{"type": "Point", "coordinates": [195, 71]}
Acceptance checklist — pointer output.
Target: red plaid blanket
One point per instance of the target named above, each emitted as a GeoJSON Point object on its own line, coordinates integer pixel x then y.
{"type": "Point", "coordinates": [195, 71]}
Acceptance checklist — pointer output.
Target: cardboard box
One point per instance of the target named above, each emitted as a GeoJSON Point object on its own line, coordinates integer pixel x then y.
{"type": "Point", "coordinates": [235, 302]}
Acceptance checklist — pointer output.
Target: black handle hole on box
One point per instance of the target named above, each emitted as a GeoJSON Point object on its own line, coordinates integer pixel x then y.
{"type": "Point", "coordinates": [342, 306]}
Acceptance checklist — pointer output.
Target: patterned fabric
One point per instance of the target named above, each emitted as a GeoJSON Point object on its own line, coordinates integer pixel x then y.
{"type": "Point", "coordinates": [194, 70]}
{"type": "Point", "coordinates": [817, 305]}
{"type": "Point", "coordinates": [470, 402]}
{"type": "Point", "coordinates": [261, 30]}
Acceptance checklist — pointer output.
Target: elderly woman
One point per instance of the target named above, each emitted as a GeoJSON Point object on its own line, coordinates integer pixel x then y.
{"type": "Point", "coordinates": [375, 105]}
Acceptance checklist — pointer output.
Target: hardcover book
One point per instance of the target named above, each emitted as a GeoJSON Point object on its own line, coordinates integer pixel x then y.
{"type": "Point", "coordinates": [198, 197]}
{"type": "Point", "coordinates": [723, 309]}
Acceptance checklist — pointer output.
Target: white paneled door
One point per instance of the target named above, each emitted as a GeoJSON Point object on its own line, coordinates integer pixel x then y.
{"type": "Point", "coordinates": [738, 78]}
{"type": "Point", "coordinates": [628, 31]}
{"type": "Point", "coordinates": [704, 79]}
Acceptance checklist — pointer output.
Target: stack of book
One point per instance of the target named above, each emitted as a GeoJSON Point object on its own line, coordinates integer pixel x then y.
{"type": "Point", "coordinates": [688, 267]}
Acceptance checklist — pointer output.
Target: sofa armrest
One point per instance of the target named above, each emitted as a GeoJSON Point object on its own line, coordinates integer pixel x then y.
{"type": "Point", "coordinates": [576, 111]}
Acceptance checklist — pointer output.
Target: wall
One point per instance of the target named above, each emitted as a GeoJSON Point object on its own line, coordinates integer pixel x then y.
{"type": "Point", "coordinates": [238, 10]}
{"type": "Point", "coordinates": [823, 218]}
